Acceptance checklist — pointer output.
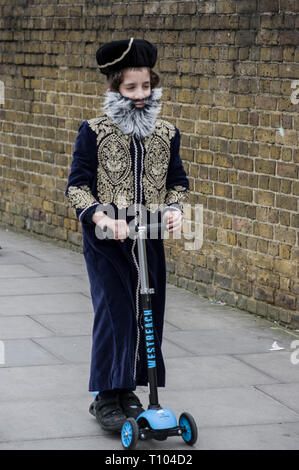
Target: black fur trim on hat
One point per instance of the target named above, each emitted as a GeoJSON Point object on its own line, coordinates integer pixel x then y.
{"type": "Point", "coordinates": [117, 55]}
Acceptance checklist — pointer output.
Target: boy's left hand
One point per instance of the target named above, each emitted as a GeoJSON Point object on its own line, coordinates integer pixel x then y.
{"type": "Point", "coordinates": [174, 220]}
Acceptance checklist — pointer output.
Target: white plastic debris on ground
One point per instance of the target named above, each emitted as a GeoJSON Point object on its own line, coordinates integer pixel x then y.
{"type": "Point", "coordinates": [217, 302]}
{"type": "Point", "coordinates": [275, 347]}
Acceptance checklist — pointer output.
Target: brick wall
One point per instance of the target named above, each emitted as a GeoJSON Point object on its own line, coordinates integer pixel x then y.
{"type": "Point", "coordinates": [227, 70]}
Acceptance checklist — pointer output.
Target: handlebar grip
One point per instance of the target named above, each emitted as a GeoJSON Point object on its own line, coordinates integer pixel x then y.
{"type": "Point", "coordinates": [109, 234]}
{"type": "Point", "coordinates": [152, 231]}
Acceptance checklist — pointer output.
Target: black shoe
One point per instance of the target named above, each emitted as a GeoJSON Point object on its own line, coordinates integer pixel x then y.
{"type": "Point", "coordinates": [130, 404]}
{"type": "Point", "coordinates": [108, 413]}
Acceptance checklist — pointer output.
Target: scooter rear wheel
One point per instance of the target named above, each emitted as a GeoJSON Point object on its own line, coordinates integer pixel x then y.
{"type": "Point", "coordinates": [129, 434]}
{"type": "Point", "coordinates": [190, 434]}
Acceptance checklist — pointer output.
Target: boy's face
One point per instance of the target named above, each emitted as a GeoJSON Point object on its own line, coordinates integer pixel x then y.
{"type": "Point", "coordinates": [136, 85]}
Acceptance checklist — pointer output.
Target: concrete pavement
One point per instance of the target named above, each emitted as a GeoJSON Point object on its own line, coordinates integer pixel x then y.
{"type": "Point", "coordinates": [218, 359]}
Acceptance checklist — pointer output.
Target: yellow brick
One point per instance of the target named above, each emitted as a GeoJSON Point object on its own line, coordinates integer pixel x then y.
{"type": "Point", "coordinates": [204, 128]}
{"type": "Point", "coordinates": [223, 130]}
{"type": "Point", "coordinates": [223, 190]}
{"type": "Point", "coordinates": [243, 133]}
{"type": "Point", "coordinates": [223, 160]}
{"type": "Point", "coordinates": [48, 182]}
{"type": "Point", "coordinates": [264, 198]}
{"type": "Point", "coordinates": [222, 236]}
{"type": "Point", "coordinates": [267, 70]}
{"type": "Point", "coordinates": [265, 135]}
{"type": "Point", "coordinates": [203, 157]}
{"type": "Point", "coordinates": [285, 251]}
{"type": "Point", "coordinates": [263, 230]}
{"type": "Point", "coordinates": [283, 267]}
{"type": "Point", "coordinates": [49, 206]}
{"type": "Point", "coordinates": [186, 96]}
{"type": "Point", "coordinates": [186, 126]}
{"type": "Point", "coordinates": [245, 101]}
{"type": "Point", "coordinates": [289, 137]}
{"type": "Point", "coordinates": [231, 238]}
{"type": "Point", "coordinates": [204, 187]}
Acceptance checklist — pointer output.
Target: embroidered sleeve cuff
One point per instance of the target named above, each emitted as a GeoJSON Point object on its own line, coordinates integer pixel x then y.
{"type": "Point", "coordinates": [177, 196]}
{"type": "Point", "coordinates": [81, 199]}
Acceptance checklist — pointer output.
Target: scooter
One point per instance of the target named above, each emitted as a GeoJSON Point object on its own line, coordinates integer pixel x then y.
{"type": "Point", "coordinates": [156, 422]}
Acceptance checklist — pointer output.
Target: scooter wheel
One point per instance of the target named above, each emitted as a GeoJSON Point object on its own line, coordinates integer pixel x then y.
{"type": "Point", "coordinates": [190, 434]}
{"type": "Point", "coordinates": [129, 434]}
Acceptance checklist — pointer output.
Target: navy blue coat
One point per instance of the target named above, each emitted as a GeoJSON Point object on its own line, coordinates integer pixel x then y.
{"type": "Point", "coordinates": [116, 171]}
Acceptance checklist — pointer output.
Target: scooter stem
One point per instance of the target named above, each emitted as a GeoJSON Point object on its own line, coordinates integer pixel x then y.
{"type": "Point", "coordinates": [147, 319]}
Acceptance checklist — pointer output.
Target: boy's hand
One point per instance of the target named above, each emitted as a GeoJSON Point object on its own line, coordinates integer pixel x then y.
{"type": "Point", "coordinates": [119, 227]}
{"type": "Point", "coordinates": [174, 220]}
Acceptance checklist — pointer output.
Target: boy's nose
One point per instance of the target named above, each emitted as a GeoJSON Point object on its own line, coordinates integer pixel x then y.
{"type": "Point", "coordinates": [139, 95]}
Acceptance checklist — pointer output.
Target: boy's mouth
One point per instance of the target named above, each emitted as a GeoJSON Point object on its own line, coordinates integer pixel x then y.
{"type": "Point", "coordinates": [139, 104]}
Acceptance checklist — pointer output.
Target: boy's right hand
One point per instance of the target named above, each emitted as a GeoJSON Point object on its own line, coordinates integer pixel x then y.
{"type": "Point", "coordinates": [119, 227]}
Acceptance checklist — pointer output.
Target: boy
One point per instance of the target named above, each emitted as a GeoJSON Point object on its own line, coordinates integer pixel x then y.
{"type": "Point", "coordinates": [124, 162]}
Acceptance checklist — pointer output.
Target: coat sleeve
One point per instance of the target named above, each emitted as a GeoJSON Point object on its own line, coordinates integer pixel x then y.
{"type": "Point", "coordinates": [177, 183]}
{"type": "Point", "coordinates": [82, 177]}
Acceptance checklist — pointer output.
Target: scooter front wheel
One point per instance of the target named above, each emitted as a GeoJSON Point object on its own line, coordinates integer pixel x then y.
{"type": "Point", "coordinates": [129, 434]}
{"type": "Point", "coordinates": [190, 433]}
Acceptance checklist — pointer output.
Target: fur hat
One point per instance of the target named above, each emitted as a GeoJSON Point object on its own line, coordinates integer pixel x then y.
{"type": "Point", "coordinates": [117, 55]}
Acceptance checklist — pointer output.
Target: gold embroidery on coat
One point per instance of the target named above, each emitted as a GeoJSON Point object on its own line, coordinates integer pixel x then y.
{"type": "Point", "coordinates": [155, 170]}
{"type": "Point", "coordinates": [100, 126]}
{"type": "Point", "coordinates": [80, 197]}
{"type": "Point", "coordinates": [156, 163]}
{"type": "Point", "coordinates": [115, 176]}
{"type": "Point", "coordinates": [115, 182]}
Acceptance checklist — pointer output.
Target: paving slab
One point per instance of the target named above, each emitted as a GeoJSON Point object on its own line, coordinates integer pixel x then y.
{"type": "Point", "coordinates": [224, 341]}
{"type": "Point", "coordinates": [66, 324]}
{"type": "Point", "coordinates": [276, 364]}
{"type": "Point", "coordinates": [278, 436]}
{"type": "Point", "coordinates": [21, 327]}
{"type": "Point", "coordinates": [42, 285]}
{"type": "Point", "coordinates": [55, 417]}
{"type": "Point", "coordinates": [25, 352]}
{"type": "Point", "coordinates": [16, 244]}
{"type": "Point", "coordinates": [39, 304]}
{"type": "Point", "coordinates": [287, 394]}
{"type": "Point", "coordinates": [8, 271]}
{"type": "Point", "coordinates": [207, 316]}
{"type": "Point", "coordinates": [16, 257]}
{"type": "Point", "coordinates": [56, 268]}
{"type": "Point", "coordinates": [211, 372]}
{"type": "Point", "coordinates": [73, 349]}
{"type": "Point", "coordinates": [44, 382]}
{"type": "Point", "coordinates": [170, 349]}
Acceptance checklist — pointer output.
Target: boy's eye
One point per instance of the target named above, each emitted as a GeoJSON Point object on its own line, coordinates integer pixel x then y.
{"type": "Point", "coordinates": [132, 87]}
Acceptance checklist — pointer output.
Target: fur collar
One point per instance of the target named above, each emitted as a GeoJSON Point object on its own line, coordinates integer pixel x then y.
{"type": "Point", "coordinates": [139, 122]}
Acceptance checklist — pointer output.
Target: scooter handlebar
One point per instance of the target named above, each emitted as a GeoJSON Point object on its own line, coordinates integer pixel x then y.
{"type": "Point", "coordinates": [152, 230]}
